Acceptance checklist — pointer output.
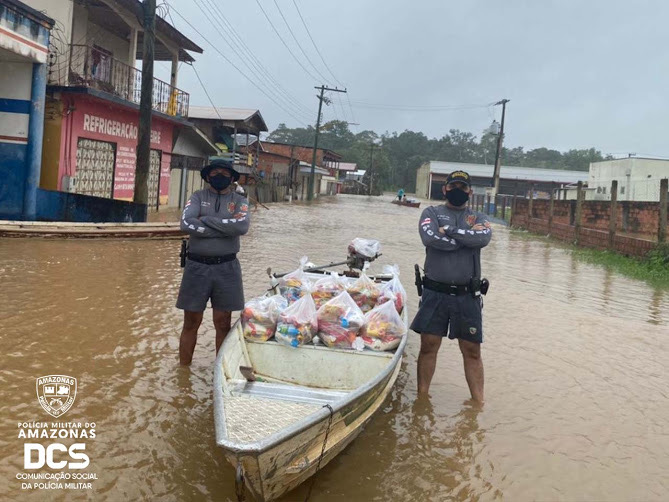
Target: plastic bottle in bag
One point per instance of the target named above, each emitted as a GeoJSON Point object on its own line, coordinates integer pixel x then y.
{"type": "Point", "coordinates": [364, 292]}
{"type": "Point", "coordinates": [297, 324]}
{"type": "Point", "coordinates": [326, 288]}
{"type": "Point", "coordinates": [339, 321]}
{"type": "Point", "coordinates": [294, 285]}
{"type": "Point", "coordinates": [383, 329]}
{"type": "Point", "coordinates": [260, 315]}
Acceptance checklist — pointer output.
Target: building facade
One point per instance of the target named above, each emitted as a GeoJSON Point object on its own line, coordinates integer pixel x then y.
{"type": "Point", "coordinates": [24, 42]}
{"type": "Point", "coordinates": [638, 178]}
{"type": "Point", "coordinates": [513, 179]}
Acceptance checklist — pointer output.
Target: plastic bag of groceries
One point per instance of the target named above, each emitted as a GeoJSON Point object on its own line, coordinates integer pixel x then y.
{"type": "Point", "coordinates": [339, 321]}
{"type": "Point", "coordinates": [393, 286]}
{"type": "Point", "coordinates": [368, 248]}
{"type": "Point", "coordinates": [297, 324]}
{"type": "Point", "coordinates": [364, 292]}
{"type": "Point", "coordinates": [383, 329]}
{"type": "Point", "coordinates": [294, 285]}
{"type": "Point", "coordinates": [326, 288]}
{"type": "Point", "coordinates": [260, 315]}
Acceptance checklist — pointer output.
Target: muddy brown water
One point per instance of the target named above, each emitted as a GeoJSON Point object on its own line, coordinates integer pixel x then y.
{"type": "Point", "coordinates": [575, 358]}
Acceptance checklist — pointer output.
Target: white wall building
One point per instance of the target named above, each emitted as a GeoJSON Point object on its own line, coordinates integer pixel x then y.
{"type": "Point", "coordinates": [638, 178]}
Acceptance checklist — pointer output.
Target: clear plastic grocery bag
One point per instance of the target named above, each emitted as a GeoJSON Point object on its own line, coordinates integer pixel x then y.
{"type": "Point", "coordinates": [383, 329]}
{"type": "Point", "coordinates": [339, 321]}
{"type": "Point", "coordinates": [326, 288]}
{"type": "Point", "coordinates": [364, 292]}
{"type": "Point", "coordinates": [294, 285]}
{"type": "Point", "coordinates": [260, 315]}
{"type": "Point", "coordinates": [297, 324]}
{"type": "Point", "coordinates": [368, 248]}
{"type": "Point", "coordinates": [394, 286]}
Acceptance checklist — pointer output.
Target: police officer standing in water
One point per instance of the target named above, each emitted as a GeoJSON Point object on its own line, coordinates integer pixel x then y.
{"type": "Point", "coordinates": [453, 235]}
{"type": "Point", "coordinates": [214, 218]}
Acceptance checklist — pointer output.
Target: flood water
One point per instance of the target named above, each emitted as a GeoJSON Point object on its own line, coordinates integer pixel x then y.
{"type": "Point", "coordinates": [575, 356]}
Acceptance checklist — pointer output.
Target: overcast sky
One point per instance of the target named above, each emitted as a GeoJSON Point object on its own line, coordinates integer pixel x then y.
{"type": "Point", "coordinates": [578, 73]}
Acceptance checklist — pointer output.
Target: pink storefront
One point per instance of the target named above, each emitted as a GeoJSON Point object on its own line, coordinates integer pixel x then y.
{"type": "Point", "coordinates": [98, 139]}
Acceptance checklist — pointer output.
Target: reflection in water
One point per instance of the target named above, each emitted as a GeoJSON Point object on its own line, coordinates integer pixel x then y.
{"type": "Point", "coordinates": [575, 361]}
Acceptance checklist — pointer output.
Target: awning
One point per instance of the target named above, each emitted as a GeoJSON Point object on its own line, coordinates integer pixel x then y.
{"type": "Point", "coordinates": [317, 170]}
{"type": "Point", "coordinates": [192, 142]}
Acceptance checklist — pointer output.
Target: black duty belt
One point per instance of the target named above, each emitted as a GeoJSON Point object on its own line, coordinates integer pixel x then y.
{"type": "Point", "coordinates": [450, 289]}
{"type": "Point", "coordinates": [212, 260]}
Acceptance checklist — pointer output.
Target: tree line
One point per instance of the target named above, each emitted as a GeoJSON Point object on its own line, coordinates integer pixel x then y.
{"type": "Point", "coordinates": [397, 156]}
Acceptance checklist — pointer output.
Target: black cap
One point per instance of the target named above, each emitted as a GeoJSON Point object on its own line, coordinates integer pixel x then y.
{"type": "Point", "coordinates": [219, 163]}
{"type": "Point", "coordinates": [459, 176]}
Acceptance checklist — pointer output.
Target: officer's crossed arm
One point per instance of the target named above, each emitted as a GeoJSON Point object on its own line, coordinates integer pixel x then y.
{"type": "Point", "coordinates": [477, 237]}
{"type": "Point", "coordinates": [230, 227]}
{"type": "Point", "coordinates": [190, 220]}
{"type": "Point", "coordinates": [430, 234]}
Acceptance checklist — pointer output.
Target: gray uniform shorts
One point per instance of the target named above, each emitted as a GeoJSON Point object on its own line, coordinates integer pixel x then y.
{"type": "Point", "coordinates": [221, 282]}
{"type": "Point", "coordinates": [442, 314]}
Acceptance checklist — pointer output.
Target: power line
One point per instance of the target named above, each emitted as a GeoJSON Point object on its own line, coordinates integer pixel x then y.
{"type": "Point", "coordinates": [236, 67]}
{"type": "Point", "coordinates": [427, 108]}
{"type": "Point", "coordinates": [241, 45]}
{"type": "Point", "coordinates": [299, 46]}
{"type": "Point", "coordinates": [284, 42]}
{"type": "Point", "coordinates": [205, 91]}
{"type": "Point", "coordinates": [314, 44]}
{"type": "Point", "coordinates": [255, 73]}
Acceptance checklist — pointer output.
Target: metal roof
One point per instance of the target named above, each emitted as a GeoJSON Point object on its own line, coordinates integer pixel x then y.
{"type": "Point", "coordinates": [510, 172]}
{"type": "Point", "coordinates": [246, 115]}
{"type": "Point", "coordinates": [348, 166]}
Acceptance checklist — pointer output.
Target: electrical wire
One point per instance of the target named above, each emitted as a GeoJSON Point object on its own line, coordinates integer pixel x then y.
{"type": "Point", "coordinates": [251, 81]}
{"type": "Point", "coordinates": [299, 46]}
{"type": "Point", "coordinates": [426, 108]}
{"type": "Point", "coordinates": [248, 53]}
{"type": "Point", "coordinates": [253, 71]}
{"type": "Point", "coordinates": [285, 44]}
{"type": "Point", "coordinates": [314, 44]}
{"type": "Point", "coordinates": [205, 91]}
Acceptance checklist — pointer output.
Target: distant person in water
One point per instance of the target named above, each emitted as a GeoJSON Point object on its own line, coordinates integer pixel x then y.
{"type": "Point", "coordinates": [400, 194]}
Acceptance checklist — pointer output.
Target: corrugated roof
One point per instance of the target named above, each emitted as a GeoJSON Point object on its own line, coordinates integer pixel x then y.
{"type": "Point", "coordinates": [227, 114]}
{"type": "Point", "coordinates": [510, 172]}
{"type": "Point", "coordinates": [348, 166]}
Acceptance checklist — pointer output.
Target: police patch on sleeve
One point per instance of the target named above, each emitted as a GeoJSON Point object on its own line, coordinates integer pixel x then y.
{"type": "Point", "coordinates": [471, 220]}
{"type": "Point", "coordinates": [231, 207]}
{"type": "Point", "coordinates": [244, 207]}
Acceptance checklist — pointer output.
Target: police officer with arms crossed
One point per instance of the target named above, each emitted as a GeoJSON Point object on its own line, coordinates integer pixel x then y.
{"type": "Point", "coordinates": [214, 218]}
{"type": "Point", "coordinates": [453, 235]}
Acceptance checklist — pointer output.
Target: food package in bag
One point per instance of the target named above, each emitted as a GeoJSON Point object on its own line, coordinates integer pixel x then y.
{"type": "Point", "coordinates": [294, 285]}
{"type": "Point", "coordinates": [260, 315]}
{"type": "Point", "coordinates": [383, 329]}
{"type": "Point", "coordinates": [339, 321]}
{"type": "Point", "coordinates": [297, 324]}
{"type": "Point", "coordinates": [364, 292]}
{"type": "Point", "coordinates": [393, 286]}
{"type": "Point", "coordinates": [326, 288]}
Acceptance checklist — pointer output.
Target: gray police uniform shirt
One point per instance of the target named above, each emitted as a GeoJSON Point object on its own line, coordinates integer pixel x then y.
{"type": "Point", "coordinates": [453, 257]}
{"type": "Point", "coordinates": [215, 233]}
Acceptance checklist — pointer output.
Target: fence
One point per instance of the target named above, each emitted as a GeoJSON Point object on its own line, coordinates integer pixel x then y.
{"type": "Point", "coordinates": [629, 227]}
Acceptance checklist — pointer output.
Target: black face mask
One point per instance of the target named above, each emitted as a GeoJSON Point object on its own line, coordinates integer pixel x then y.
{"type": "Point", "coordinates": [219, 182]}
{"type": "Point", "coordinates": [457, 196]}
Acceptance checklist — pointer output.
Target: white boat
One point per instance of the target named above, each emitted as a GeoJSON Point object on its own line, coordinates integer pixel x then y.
{"type": "Point", "coordinates": [311, 403]}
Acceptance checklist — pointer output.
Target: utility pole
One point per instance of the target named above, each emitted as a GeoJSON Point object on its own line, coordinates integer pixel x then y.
{"type": "Point", "coordinates": [371, 167]}
{"type": "Point", "coordinates": [498, 154]}
{"type": "Point", "coordinates": [143, 154]}
{"type": "Point", "coordinates": [321, 98]}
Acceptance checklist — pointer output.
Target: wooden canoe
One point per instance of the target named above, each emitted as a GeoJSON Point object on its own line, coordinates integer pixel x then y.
{"type": "Point", "coordinates": [406, 203]}
{"type": "Point", "coordinates": [273, 430]}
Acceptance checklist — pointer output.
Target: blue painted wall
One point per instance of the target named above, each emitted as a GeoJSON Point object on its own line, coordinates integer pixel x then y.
{"type": "Point", "coordinates": [64, 206]}
{"type": "Point", "coordinates": [12, 179]}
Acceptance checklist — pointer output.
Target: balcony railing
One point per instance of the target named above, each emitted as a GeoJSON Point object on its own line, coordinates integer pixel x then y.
{"type": "Point", "coordinates": [95, 68]}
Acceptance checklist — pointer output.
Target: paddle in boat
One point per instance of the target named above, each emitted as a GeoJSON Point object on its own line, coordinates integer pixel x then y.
{"type": "Point", "coordinates": [282, 413]}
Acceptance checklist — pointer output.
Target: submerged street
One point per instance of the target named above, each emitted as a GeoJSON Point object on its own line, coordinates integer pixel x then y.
{"type": "Point", "coordinates": [575, 359]}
